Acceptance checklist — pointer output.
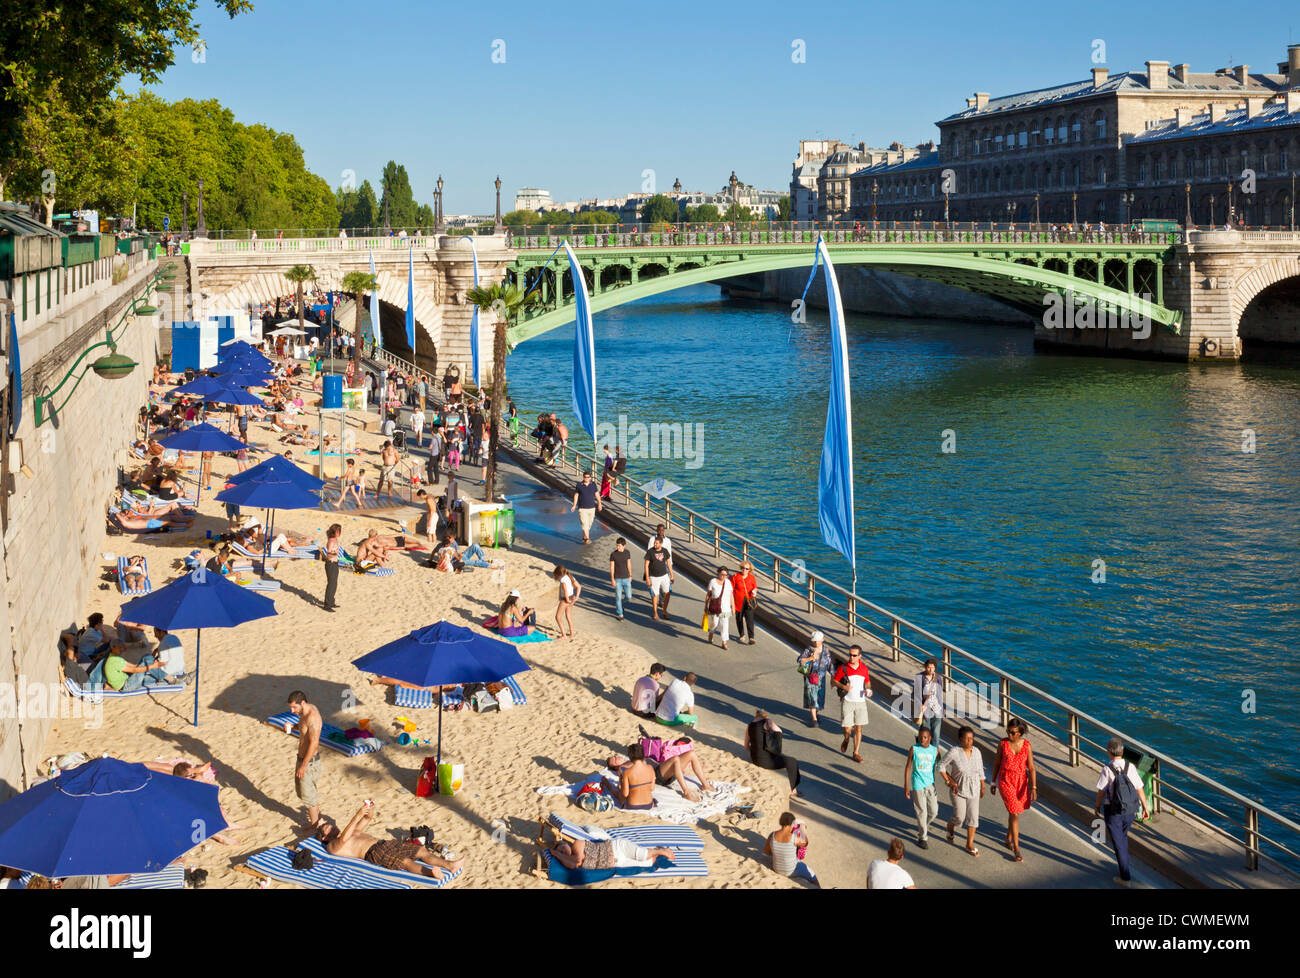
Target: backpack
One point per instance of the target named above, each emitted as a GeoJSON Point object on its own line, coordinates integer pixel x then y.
{"type": "Point", "coordinates": [1121, 796]}
{"type": "Point", "coordinates": [657, 751]}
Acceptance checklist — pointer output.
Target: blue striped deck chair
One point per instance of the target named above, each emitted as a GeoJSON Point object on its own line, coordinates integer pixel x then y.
{"type": "Point", "coordinates": [95, 692]}
{"type": "Point", "coordinates": [328, 874]}
{"type": "Point", "coordinates": [397, 876]}
{"type": "Point", "coordinates": [350, 561]}
{"type": "Point", "coordinates": [145, 588]}
{"type": "Point", "coordinates": [350, 749]}
{"type": "Point", "coordinates": [266, 584]}
{"type": "Point", "coordinates": [422, 699]}
{"type": "Point", "coordinates": [295, 553]}
{"type": "Point", "coordinates": [688, 862]}
{"type": "Point", "coordinates": [666, 835]}
{"type": "Point", "coordinates": [171, 878]}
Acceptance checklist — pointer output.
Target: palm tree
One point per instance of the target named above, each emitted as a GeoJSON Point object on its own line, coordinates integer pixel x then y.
{"type": "Point", "coordinates": [357, 283]}
{"type": "Point", "coordinates": [298, 275]}
{"type": "Point", "coordinates": [504, 301]}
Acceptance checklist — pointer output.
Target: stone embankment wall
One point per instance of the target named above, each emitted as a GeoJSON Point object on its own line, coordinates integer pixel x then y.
{"type": "Point", "coordinates": [55, 528]}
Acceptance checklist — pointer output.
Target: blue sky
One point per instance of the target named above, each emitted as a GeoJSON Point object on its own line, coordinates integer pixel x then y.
{"type": "Point", "coordinates": [592, 94]}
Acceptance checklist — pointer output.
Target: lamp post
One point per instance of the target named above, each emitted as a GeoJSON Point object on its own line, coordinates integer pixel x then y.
{"type": "Point", "coordinates": [946, 219]}
{"type": "Point", "coordinates": [1074, 207]}
{"type": "Point", "coordinates": [1232, 207]}
{"type": "Point", "coordinates": [439, 225]}
{"type": "Point", "coordinates": [498, 225]}
{"type": "Point", "coordinates": [1187, 191]}
{"type": "Point", "coordinates": [1293, 200]}
{"type": "Point", "coordinates": [185, 214]}
{"type": "Point", "coordinates": [1126, 198]}
{"type": "Point", "coordinates": [1036, 221]}
{"type": "Point", "coordinates": [1211, 211]}
{"type": "Point", "coordinates": [200, 227]}
{"type": "Point", "coordinates": [875, 188]}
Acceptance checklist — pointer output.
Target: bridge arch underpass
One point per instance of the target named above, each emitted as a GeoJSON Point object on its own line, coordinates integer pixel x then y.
{"type": "Point", "coordinates": [1116, 281]}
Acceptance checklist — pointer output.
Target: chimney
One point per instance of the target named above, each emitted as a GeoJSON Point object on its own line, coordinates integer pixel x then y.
{"type": "Point", "coordinates": [1099, 76]}
{"type": "Point", "coordinates": [1242, 74]}
{"type": "Point", "coordinates": [970, 102]}
{"type": "Point", "coordinates": [1217, 111]}
{"type": "Point", "coordinates": [1293, 101]}
{"type": "Point", "coordinates": [1293, 65]}
{"type": "Point", "coordinates": [981, 99]}
{"type": "Point", "coordinates": [1183, 116]}
{"type": "Point", "coordinates": [1253, 105]}
{"type": "Point", "coordinates": [1158, 75]}
{"type": "Point", "coordinates": [1183, 72]}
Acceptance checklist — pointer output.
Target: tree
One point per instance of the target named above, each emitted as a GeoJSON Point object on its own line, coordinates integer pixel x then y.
{"type": "Point", "coordinates": [56, 55]}
{"type": "Point", "coordinates": [365, 212]}
{"type": "Point", "coordinates": [397, 201]}
{"type": "Point", "coordinates": [358, 283]}
{"type": "Point", "coordinates": [704, 214]}
{"type": "Point", "coordinates": [503, 302]}
{"type": "Point", "coordinates": [517, 219]}
{"type": "Point", "coordinates": [738, 214]}
{"type": "Point", "coordinates": [659, 209]}
{"type": "Point", "coordinates": [783, 209]}
{"type": "Point", "coordinates": [298, 275]}
{"type": "Point", "coordinates": [595, 217]}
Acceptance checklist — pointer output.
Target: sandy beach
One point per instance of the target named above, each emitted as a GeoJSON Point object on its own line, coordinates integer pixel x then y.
{"type": "Point", "coordinates": [576, 713]}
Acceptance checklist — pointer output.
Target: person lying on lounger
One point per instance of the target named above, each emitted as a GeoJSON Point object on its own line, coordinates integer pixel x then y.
{"type": "Point", "coordinates": [388, 853]}
{"type": "Point", "coordinates": [129, 522]}
{"type": "Point", "coordinates": [386, 681]}
{"type": "Point", "coordinates": [607, 854]}
{"type": "Point", "coordinates": [133, 574]}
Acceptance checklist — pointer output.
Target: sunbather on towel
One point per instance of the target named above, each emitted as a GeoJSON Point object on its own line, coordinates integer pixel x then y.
{"type": "Point", "coordinates": [371, 549]}
{"type": "Point", "coordinates": [130, 522]}
{"type": "Point", "coordinates": [608, 854]}
{"type": "Point", "coordinates": [388, 853]}
{"type": "Point", "coordinates": [666, 772]}
{"type": "Point", "coordinates": [171, 510]}
{"type": "Point", "coordinates": [636, 781]}
{"type": "Point", "coordinates": [133, 573]}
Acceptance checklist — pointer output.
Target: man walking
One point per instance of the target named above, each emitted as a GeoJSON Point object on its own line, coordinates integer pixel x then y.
{"type": "Point", "coordinates": [918, 784]}
{"type": "Point", "coordinates": [620, 574]}
{"type": "Point", "coordinates": [306, 774]}
{"type": "Point", "coordinates": [421, 392]}
{"type": "Point", "coordinates": [586, 500]}
{"type": "Point", "coordinates": [668, 549]}
{"type": "Point", "coordinates": [437, 447]}
{"type": "Point", "coordinates": [658, 576]}
{"type": "Point", "coordinates": [1119, 793]}
{"type": "Point", "coordinates": [854, 682]}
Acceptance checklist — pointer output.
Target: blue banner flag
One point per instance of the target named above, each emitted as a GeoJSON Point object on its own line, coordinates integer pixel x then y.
{"type": "Point", "coordinates": [410, 300]}
{"type": "Point", "coordinates": [584, 350]}
{"type": "Point", "coordinates": [375, 331]}
{"type": "Point", "coordinates": [835, 476]}
{"type": "Point", "coordinates": [473, 321]}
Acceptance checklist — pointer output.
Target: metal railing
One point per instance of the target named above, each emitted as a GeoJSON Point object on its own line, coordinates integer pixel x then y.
{"type": "Point", "coordinates": [991, 695]}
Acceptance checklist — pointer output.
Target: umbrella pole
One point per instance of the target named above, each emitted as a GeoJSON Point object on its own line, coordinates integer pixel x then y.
{"type": "Point", "coordinates": [198, 648]}
{"type": "Point", "coordinates": [438, 762]}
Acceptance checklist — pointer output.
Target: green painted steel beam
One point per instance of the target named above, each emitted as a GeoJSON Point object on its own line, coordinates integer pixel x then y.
{"type": "Point", "coordinates": [1000, 277]}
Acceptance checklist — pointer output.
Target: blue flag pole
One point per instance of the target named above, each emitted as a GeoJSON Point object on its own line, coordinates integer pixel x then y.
{"type": "Point", "coordinates": [374, 309]}
{"type": "Point", "coordinates": [473, 322]}
{"type": "Point", "coordinates": [410, 300]}
{"type": "Point", "coordinates": [584, 350]}
{"type": "Point", "coordinates": [835, 474]}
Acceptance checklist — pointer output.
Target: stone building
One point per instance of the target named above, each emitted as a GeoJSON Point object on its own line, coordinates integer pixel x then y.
{"type": "Point", "coordinates": [834, 190]}
{"type": "Point", "coordinates": [1152, 144]}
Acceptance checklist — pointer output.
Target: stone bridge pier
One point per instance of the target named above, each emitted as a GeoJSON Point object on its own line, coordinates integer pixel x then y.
{"type": "Point", "coordinates": [236, 274]}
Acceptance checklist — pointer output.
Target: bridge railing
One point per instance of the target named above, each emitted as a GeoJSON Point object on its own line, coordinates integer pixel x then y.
{"type": "Point", "coordinates": [975, 688]}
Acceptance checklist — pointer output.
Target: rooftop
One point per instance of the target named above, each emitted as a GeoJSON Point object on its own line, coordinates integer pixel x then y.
{"type": "Point", "coordinates": [1235, 120]}
{"type": "Point", "coordinates": [930, 159]}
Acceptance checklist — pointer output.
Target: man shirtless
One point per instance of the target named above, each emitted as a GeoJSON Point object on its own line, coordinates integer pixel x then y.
{"type": "Point", "coordinates": [307, 773]}
{"type": "Point", "coordinates": [387, 468]}
{"type": "Point", "coordinates": [352, 842]}
{"type": "Point", "coordinates": [372, 549]}
{"type": "Point", "coordinates": [430, 516]}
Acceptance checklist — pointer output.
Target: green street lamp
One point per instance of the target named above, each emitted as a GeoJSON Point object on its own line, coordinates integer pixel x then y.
{"type": "Point", "coordinates": [113, 366]}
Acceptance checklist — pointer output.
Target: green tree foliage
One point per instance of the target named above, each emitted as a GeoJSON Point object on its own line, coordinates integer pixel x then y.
{"type": "Point", "coordinates": [397, 201]}
{"type": "Point", "coordinates": [515, 219]}
{"type": "Point", "coordinates": [360, 209]}
{"type": "Point", "coordinates": [783, 209]}
{"type": "Point", "coordinates": [704, 214]}
{"type": "Point", "coordinates": [60, 56]}
{"type": "Point", "coordinates": [595, 217]}
{"type": "Point", "coordinates": [736, 212]}
{"type": "Point", "coordinates": [659, 209]}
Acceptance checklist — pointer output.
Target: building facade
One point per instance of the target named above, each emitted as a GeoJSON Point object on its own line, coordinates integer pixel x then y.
{"type": "Point", "coordinates": [1153, 144]}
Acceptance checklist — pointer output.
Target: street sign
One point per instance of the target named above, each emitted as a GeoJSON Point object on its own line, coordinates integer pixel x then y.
{"type": "Point", "coordinates": [661, 488]}
{"type": "Point", "coordinates": [167, 221]}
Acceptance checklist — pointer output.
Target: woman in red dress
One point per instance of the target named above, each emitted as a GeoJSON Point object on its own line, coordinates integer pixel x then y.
{"type": "Point", "coordinates": [1015, 779]}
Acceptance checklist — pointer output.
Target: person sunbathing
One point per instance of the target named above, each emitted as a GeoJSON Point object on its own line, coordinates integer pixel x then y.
{"type": "Point", "coordinates": [354, 843]}
{"type": "Point", "coordinates": [607, 854]}
{"type": "Point", "coordinates": [386, 681]}
{"type": "Point", "coordinates": [512, 620]}
{"type": "Point", "coordinates": [128, 631]}
{"type": "Point", "coordinates": [374, 547]}
{"type": "Point", "coordinates": [133, 574]}
{"type": "Point", "coordinates": [168, 486]}
{"type": "Point", "coordinates": [673, 769]}
{"type": "Point", "coordinates": [129, 522]}
{"type": "Point", "coordinates": [135, 507]}
{"type": "Point", "coordinates": [636, 781]}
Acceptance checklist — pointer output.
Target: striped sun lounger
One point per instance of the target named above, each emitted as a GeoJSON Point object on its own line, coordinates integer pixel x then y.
{"type": "Point", "coordinates": [121, 578]}
{"type": "Point", "coordinates": [422, 699]}
{"type": "Point", "coordinates": [171, 878]}
{"type": "Point", "coordinates": [298, 553]}
{"type": "Point", "coordinates": [350, 749]}
{"type": "Point", "coordinates": [688, 863]}
{"type": "Point", "coordinates": [333, 874]}
{"type": "Point", "coordinates": [650, 836]}
{"type": "Point", "coordinates": [261, 585]}
{"type": "Point", "coordinates": [95, 692]}
{"type": "Point", "coordinates": [396, 876]}
{"type": "Point", "coordinates": [373, 572]}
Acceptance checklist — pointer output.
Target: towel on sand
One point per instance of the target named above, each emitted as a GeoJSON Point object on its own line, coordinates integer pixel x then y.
{"type": "Point", "coordinates": [669, 805]}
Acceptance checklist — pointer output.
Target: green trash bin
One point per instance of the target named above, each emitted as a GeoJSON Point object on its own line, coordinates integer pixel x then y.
{"type": "Point", "coordinates": [1145, 765]}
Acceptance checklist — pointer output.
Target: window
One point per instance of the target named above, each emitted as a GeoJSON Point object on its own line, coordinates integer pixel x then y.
{"type": "Point", "coordinates": [1099, 127]}
{"type": "Point", "coordinates": [1142, 172]}
{"type": "Point", "coordinates": [1076, 174]}
{"type": "Point", "coordinates": [1060, 131]}
{"type": "Point", "coordinates": [1076, 131]}
{"type": "Point", "coordinates": [1049, 135]}
{"type": "Point", "coordinates": [1022, 139]}
{"type": "Point", "coordinates": [997, 143]}
{"type": "Point", "coordinates": [1281, 159]}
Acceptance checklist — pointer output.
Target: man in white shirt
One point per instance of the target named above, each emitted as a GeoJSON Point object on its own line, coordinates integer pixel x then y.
{"type": "Point", "coordinates": [677, 708]}
{"type": "Point", "coordinates": [663, 540]}
{"type": "Point", "coordinates": [886, 874]}
{"type": "Point", "coordinates": [1121, 803]}
{"type": "Point", "coordinates": [170, 654]}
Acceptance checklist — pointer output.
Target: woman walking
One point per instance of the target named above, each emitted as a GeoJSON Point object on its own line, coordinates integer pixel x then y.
{"type": "Point", "coordinates": [718, 605]}
{"type": "Point", "coordinates": [927, 699]}
{"type": "Point", "coordinates": [744, 593]}
{"type": "Point", "coordinates": [331, 556]}
{"type": "Point", "coordinates": [1015, 779]}
{"type": "Point", "coordinates": [568, 597]}
{"type": "Point", "coordinates": [814, 664]}
{"type": "Point", "coordinates": [963, 772]}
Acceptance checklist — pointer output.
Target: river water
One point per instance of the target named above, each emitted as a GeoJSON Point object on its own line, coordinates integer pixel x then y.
{"type": "Point", "coordinates": [1190, 643]}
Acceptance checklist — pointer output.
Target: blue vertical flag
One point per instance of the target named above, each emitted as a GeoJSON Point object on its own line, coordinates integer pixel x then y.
{"type": "Point", "coordinates": [15, 378]}
{"type": "Point", "coordinates": [584, 350]}
{"type": "Point", "coordinates": [835, 476]}
{"type": "Point", "coordinates": [410, 300]}
{"type": "Point", "coordinates": [374, 309]}
{"type": "Point", "coordinates": [473, 322]}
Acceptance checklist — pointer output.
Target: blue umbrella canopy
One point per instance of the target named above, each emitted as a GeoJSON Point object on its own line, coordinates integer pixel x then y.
{"type": "Point", "coordinates": [198, 387]}
{"type": "Point", "coordinates": [200, 599]}
{"type": "Point", "coordinates": [240, 378]}
{"type": "Point", "coordinates": [233, 395]}
{"type": "Point", "coordinates": [239, 348]}
{"type": "Point", "coordinates": [253, 361]}
{"type": "Point", "coordinates": [270, 489]}
{"type": "Point", "coordinates": [104, 818]}
{"type": "Point", "coordinates": [443, 654]}
{"type": "Point", "coordinates": [203, 438]}
{"type": "Point", "coordinates": [282, 467]}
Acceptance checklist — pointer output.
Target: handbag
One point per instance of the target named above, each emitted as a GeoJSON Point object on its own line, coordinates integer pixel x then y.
{"type": "Point", "coordinates": [428, 783]}
{"type": "Point", "coordinates": [715, 606]}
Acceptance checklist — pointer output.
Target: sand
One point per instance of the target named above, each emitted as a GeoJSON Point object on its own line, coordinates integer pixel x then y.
{"type": "Point", "coordinates": [575, 716]}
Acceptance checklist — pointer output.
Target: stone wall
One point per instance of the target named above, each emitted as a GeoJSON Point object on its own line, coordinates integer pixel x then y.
{"type": "Point", "coordinates": [55, 529]}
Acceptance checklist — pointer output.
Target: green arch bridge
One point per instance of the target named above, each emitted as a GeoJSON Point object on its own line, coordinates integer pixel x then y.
{"type": "Point", "coordinates": [1123, 272]}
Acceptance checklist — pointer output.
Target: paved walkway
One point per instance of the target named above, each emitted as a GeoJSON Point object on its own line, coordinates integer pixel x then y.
{"type": "Point", "coordinates": [853, 809]}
